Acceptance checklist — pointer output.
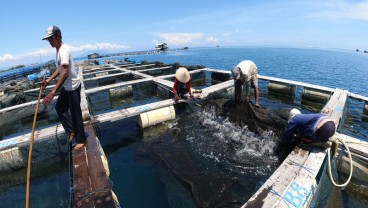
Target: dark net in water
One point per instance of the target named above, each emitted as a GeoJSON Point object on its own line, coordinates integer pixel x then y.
{"type": "Point", "coordinates": [219, 152]}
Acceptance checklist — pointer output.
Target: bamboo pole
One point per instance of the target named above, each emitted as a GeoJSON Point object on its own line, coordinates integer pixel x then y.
{"type": "Point", "coordinates": [30, 149]}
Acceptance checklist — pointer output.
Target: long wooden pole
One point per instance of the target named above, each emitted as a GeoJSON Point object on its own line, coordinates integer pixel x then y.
{"type": "Point", "coordinates": [30, 148]}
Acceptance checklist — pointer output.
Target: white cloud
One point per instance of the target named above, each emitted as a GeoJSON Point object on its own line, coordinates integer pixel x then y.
{"type": "Point", "coordinates": [47, 52]}
{"type": "Point", "coordinates": [179, 38]}
{"type": "Point", "coordinates": [212, 40]}
{"type": "Point", "coordinates": [8, 57]}
{"type": "Point", "coordinates": [98, 46]}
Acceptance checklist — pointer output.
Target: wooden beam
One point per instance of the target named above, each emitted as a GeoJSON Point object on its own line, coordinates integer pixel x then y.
{"type": "Point", "coordinates": [358, 97]}
{"type": "Point", "coordinates": [49, 143]}
{"type": "Point", "coordinates": [133, 111]}
{"type": "Point", "coordinates": [96, 72]}
{"type": "Point", "coordinates": [153, 69]}
{"type": "Point", "coordinates": [296, 83]}
{"type": "Point", "coordinates": [116, 85]}
{"type": "Point", "coordinates": [97, 68]}
{"type": "Point", "coordinates": [84, 103]}
{"type": "Point", "coordinates": [90, 179]}
{"type": "Point", "coordinates": [107, 76]}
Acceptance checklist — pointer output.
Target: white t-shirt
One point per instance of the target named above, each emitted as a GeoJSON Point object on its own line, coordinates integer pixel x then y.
{"type": "Point", "coordinates": [249, 70]}
{"type": "Point", "coordinates": [63, 56]}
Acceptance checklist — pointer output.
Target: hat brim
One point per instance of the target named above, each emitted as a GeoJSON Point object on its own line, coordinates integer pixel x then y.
{"type": "Point", "coordinates": [47, 36]}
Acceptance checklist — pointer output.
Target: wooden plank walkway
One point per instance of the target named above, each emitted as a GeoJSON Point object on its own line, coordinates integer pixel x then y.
{"type": "Point", "coordinates": [294, 182]}
{"type": "Point", "coordinates": [91, 187]}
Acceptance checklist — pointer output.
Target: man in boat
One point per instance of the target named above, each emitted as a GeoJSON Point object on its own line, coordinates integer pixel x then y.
{"type": "Point", "coordinates": [68, 103]}
{"type": "Point", "coordinates": [310, 128]}
{"type": "Point", "coordinates": [182, 84]}
{"type": "Point", "coordinates": [246, 73]}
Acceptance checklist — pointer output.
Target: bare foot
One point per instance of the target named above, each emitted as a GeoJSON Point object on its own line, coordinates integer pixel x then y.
{"type": "Point", "coordinates": [256, 105]}
{"type": "Point", "coordinates": [79, 146]}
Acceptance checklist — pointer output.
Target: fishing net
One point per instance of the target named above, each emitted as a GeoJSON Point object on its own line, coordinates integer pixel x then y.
{"type": "Point", "coordinates": [212, 156]}
{"type": "Point", "coordinates": [258, 120]}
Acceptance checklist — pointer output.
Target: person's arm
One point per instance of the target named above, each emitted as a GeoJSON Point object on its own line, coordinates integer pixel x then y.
{"type": "Point", "coordinates": [175, 89]}
{"type": "Point", "coordinates": [247, 89]}
{"type": "Point", "coordinates": [290, 129]}
{"type": "Point", "coordinates": [64, 75]}
{"type": "Point", "coordinates": [46, 81]}
{"type": "Point", "coordinates": [189, 87]}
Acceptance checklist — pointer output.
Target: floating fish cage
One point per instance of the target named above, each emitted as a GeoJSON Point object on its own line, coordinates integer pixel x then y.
{"type": "Point", "coordinates": [129, 100]}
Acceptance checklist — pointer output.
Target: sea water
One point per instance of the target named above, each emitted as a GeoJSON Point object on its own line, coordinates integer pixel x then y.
{"type": "Point", "coordinates": [218, 144]}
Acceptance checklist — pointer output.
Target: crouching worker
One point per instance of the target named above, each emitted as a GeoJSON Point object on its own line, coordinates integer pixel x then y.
{"type": "Point", "coordinates": [182, 84]}
{"type": "Point", "coordinates": [310, 128]}
{"type": "Point", "coordinates": [246, 73]}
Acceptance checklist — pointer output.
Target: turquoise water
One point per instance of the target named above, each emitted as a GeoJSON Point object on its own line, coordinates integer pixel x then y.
{"type": "Point", "coordinates": [140, 180]}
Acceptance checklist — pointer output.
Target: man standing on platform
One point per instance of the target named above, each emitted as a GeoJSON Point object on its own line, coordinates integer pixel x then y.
{"type": "Point", "coordinates": [68, 103]}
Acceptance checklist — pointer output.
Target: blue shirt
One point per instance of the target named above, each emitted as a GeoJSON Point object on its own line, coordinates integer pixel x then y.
{"type": "Point", "coordinates": [304, 124]}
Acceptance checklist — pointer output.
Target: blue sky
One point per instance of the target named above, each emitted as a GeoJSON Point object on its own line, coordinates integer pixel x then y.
{"type": "Point", "coordinates": [119, 26]}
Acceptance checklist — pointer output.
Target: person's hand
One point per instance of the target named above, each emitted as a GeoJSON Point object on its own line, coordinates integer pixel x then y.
{"type": "Point", "coordinates": [176, 97]}
{"type": "Point", "coordinates": [44, 84]}
{"type": "Point", "coordinates": [247, 99]}
{"type": "Point", "coordinates": [48, 98]}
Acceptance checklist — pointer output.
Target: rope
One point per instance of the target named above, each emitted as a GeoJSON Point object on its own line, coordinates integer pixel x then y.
{"type": "Point", "coordinates": [277, 194]}
{"type": "Point", "coordinates": [302, 166]}
{"type": "Point", "coordinates": [31, 147]}
{"type": "Point", "coordinates": [85, 196]}
{"type": "Point", "coordinates": [329, 166]}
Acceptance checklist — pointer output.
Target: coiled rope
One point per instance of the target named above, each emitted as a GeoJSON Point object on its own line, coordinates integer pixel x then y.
{"type": "Point", "coordinates": [329, 165]}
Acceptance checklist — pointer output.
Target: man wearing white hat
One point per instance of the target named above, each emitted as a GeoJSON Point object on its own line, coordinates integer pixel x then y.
{"type": "Point", "coordinates": [182, 84]}
{"type": "Point", "coordinates": [245, 73]}
{"type": "Point", "coordinates": [68, 103]}
{"type": "Point", "coordinates": [317, 127]}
